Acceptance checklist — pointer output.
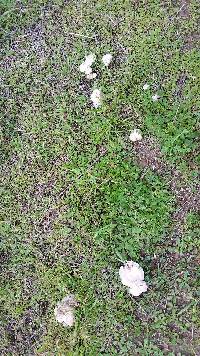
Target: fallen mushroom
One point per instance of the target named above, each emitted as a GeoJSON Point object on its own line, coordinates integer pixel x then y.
{"type": "Point", "coordinates": [64, 311]}
{"type": "Point", "coordinates": [132, 276]}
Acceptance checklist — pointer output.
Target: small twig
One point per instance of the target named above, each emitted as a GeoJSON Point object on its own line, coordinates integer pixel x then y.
{"type": "Point", "coordinates": [192, 333]}
{"type": "Point", "coordinates": [177, 112]}
{"type": "Point", "coordinates": [144, 173]}
{"type": "Point", "coordinates": [137, 114]}
{"type": "Point", "coordinates": [79, 35]}
{"type": "Point", "coordinates": [110, 18]}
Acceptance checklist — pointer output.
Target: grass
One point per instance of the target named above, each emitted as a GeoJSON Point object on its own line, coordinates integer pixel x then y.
{"type": "Point", "coordinates": [74, 204]}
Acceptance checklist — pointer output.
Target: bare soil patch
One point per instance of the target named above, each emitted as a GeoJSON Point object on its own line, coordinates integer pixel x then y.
{"type": "Point", "coordinates": [185, 9]}
{"type": "Point", "coordinates": [22, 335]}
{"type": "Point", "coordinates": [181, 81]}
{"type": "Point", "coordinates": [191, 41]}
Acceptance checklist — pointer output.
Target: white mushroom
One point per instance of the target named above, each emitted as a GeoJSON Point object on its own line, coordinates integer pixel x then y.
{"type": "Point", "coordinates": [85, 67]}
{"type": "Point", "coordinates": [132, 276]}
{"type": "Point", "coordinates": [91, 76]}
{"type": "Point", "coordinates": [146, 86]}
{"type": "Point", "coordinates": [155, 97]}
{"type": "Point", "coordinates": [90, 59]}
{"type": "Point", "coordinates": [96, 98]}
{"type": "Point", "coordinates": [137, 288]}
{"type": "Point", "coordinates": [107, 58]}
{"type": "Point", "coordinates": [135, 135]}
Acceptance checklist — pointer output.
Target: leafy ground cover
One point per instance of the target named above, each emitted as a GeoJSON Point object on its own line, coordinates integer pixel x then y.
{"type": "Point", "coordinates": [78, 198]}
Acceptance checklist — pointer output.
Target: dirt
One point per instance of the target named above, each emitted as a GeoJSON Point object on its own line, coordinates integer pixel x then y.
{"type": "Point", "coordinates": [174, 265]}
{"type": "Point", "coordinates": [4, 259]}
{"type": "Point", "coordinates": [24, 334]}
{"type": "Point", "coordinates": [48, 220]}
{"type": "Point", "coordinates": [148, 155]}
{"type": "Point", "coordinates": [181, 81]}
{"type": "Point", "coordinates": [184, 11]}
{"type": "Point", "coordinates": [44, 189]}
{"type": "Point", "coordinates": [191, 41]}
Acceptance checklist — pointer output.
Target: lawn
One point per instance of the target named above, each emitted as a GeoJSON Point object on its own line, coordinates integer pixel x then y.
{"type": "Point", "coordinates": [78, 198]}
